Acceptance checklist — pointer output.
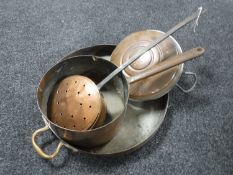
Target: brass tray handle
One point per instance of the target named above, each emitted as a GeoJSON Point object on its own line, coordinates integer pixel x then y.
{"type": "Point", "coordinates": [39, 150]}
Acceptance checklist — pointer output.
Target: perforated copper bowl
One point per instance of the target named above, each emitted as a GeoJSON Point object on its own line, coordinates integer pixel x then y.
{"type": "Point", "coordinates": [76, 104]}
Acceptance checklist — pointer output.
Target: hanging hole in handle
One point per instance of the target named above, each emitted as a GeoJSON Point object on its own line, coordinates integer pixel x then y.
{"type": "Point", "coordinates": [199, 49]}
{"type": "Point", "coordinates": [192, 74]}
{"type": "Point", "coordinates": [39, 150]}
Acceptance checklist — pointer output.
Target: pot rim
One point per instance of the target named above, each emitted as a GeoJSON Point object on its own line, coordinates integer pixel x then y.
{"type": "Point", "coordinates": [44, 116]}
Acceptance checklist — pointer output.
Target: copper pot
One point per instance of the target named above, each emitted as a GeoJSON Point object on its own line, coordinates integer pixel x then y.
{"type": "Point", "coordinates": [115, 95]}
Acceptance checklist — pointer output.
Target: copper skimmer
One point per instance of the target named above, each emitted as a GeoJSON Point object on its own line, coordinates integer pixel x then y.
{"type": "Point", "coordinates": [76, 104]}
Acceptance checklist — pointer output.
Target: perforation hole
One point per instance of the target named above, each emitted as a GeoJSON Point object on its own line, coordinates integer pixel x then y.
{"type": "Point", "coordinates": [81, 104]}
{"type": "Point", "coordinates": [90, 106]}
{"type": "Point", "coordinates": [84, 118]}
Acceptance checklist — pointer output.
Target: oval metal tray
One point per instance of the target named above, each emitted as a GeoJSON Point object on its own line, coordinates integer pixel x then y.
{"type": "Point", "coordinates": [141, 122]}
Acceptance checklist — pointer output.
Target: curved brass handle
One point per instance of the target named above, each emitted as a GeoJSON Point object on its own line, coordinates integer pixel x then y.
{"type": "Point", "coordinates": [39, 150]}
{"type": "Point", "coordinates": [168, 63]}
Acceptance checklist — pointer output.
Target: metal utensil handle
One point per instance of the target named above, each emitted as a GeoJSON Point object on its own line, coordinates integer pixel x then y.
{"type": "Point", "coordinates": [145, 49]}
{"type": "Point", "coordinates": [169, 63]}
{"type": "Point", "coordinates": [39, 150]}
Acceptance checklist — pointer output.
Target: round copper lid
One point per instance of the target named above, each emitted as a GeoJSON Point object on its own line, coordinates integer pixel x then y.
{"type": "Point", "coordinates": [157, 85]}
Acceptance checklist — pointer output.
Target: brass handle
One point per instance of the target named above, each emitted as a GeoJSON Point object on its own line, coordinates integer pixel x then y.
{"type": "Point", "coordinates": [169, 63]}
{"type": "Point", "coordinates": [39, 150]}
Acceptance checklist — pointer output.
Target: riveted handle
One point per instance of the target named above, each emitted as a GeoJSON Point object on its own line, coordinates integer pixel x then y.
{"type": "Point", "coordinates": [39, 150]}
{"type": "Point", "coordinates": [169, 63]}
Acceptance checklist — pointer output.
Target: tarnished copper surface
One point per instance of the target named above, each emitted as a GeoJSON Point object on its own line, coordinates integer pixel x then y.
{"type": "Point", "coordinates": [76, 104]}
{"type": "Point", "coordinates": [154, 86]}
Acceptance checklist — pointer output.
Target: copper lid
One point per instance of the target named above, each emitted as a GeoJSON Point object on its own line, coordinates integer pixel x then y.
{"type": "Point", "coordinates": [155, 86]}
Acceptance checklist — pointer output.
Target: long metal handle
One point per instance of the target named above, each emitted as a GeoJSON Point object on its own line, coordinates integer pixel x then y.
{"type": "Point", "coordinates": [169, 63]}
{"type": "Point", "coordinates": [145, 49]}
